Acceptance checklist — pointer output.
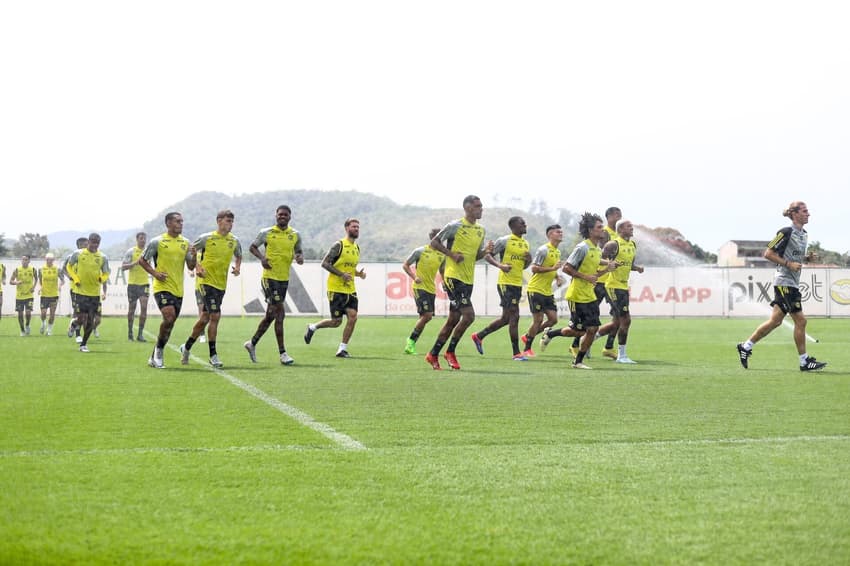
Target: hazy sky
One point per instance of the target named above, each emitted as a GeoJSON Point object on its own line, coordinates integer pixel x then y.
{"type": "Point", "coordinates": [706, 116]}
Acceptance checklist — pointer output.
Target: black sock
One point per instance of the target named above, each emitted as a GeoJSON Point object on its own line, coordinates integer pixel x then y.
{"type": "Point", "coordinates": [452, 345]}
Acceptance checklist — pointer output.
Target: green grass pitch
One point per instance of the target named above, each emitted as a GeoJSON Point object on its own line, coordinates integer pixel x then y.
{"type": "Point", "coordinates": [683, 458]}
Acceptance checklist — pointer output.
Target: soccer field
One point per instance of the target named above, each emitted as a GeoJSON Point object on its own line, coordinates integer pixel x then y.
{"type": "Point", "coordinates": [683, 458]}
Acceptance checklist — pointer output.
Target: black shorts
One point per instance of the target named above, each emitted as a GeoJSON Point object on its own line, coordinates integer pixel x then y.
{"type": "Point", "coordinates": [341, 302]}
{"type": "Point", "coordinates": [136, 292]}
{"type": "Point", "coordinates": [425, 301]}
{"type": "Point", "coordinates": [87, 305]}
{"type": "Point", "coordinates": [788, 299]}
{"type": "Point", "coordinates": [211, 298]}
{"type": "Point", "coordinates": [47, 302]}
{"type": "Point", "coordinates": [73, 301]}
{"type": "Point", "coordinates": [619, 301]}
{"type": "Point", "coordinates": [460, 294]}
{"type": "Point", "coordinates": [509, 295]}
{"type": "Point", "coordinates": [538, 302]}
{"type": "Point", "coordinates": [599, 291]}
{"type": "Point", "coordinates": [274, 290]}
{"type": "Point", "coordinates": [23, 305]}
{"type": "Point", "coordinates": [584, 315]}
{"type": "Point", "coordinates": [165, 299]}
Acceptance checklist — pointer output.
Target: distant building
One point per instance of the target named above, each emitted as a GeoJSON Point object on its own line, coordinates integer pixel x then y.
{"type": "Point", "coordinates": [743, 253]}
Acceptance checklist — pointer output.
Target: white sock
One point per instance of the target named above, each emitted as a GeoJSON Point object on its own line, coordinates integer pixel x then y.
{"type": "Point", "coordinates": [342, 346]}
{"type": "Point", "coordinates": [748, 345]}
{"type": "Point", "coordinates": [622, 350]}
{"type": "Point", "coordinates": [312, 327]}
{"type": "Point", "coordinates": [803, 358]}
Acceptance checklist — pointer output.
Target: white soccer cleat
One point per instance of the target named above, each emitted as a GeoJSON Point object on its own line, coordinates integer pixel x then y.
{"type": "Point", "coordinates": [202, 338]}
{"type": "Point", "coordinates": [215, 362]}
{"type": "Point", "coordinates": [252, 351]}
{"type": "Point", "coordinates": [625, 360]}
{"type": "Point", "coordinates": [79, 339]}
{"type": "Point", "coordinates": [286, 360]}
{"type": "Point", "coordinates": [184, 355]}
{"type": "Point", "coordinates": [84, 349]}
{"type": "Point", "coordinates": [580, 365]}
{"type": "Point", "coordinates": [544, 341]}
{"type": "Point", "coordinates": [155, 363]}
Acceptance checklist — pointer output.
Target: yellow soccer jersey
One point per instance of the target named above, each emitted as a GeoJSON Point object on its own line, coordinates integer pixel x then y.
{"type": "Point", "coordinates": [612, 235]}
{"type": "Point", "coordinates": [585, 258]}
{"type": "Point", "coordinates": [513, 250]}
{"type": "Point", "coordinates": [468, 239]}
{"type": "Point", "coordinates": [546, 255]}
{"type": "Point", "coordinates": [619, 278]}
{"type": "Point", "coordinates": [427, 261]}
{"type": "Point", "coordinates": [168, 255]}
{"type": "Point", "coordinates": [49, 281]}
{"type": "Point", "coordinates": [347, 256]}
{"type": "Point", "coordinates": [27, 278]}
{"type": "Point", "coordinates": [215, 253]}
{"type": "Point", "coordinates": [281, 247]}
{"type": "Point", "coordinates": [136, 274]}
{"type": "Point", "coordinates": [88, 271]}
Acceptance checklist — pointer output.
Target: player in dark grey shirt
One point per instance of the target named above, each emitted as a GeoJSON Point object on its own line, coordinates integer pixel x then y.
{"type": "Point", "coordinates": [788, 251]}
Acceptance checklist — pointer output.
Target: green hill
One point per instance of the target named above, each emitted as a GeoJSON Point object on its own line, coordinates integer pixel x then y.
{"type": "Point", "coordinates": [389, 231]}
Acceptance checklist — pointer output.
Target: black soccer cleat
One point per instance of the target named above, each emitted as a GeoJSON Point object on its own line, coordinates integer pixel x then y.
{"type": "Point", "coordinates": [744, 355]}
{"type": "Point", "coordinates": [308, 335]}
{"type": "Point", "coordinates": [812, 364]}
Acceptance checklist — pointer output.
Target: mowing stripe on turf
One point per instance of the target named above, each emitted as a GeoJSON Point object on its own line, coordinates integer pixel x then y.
{"type": "Point", "coordinates": [298, 415]}
{"type": "Point", "coordinates": [162, 450]}
{"type": "Point", "coordinates": [303, 448]}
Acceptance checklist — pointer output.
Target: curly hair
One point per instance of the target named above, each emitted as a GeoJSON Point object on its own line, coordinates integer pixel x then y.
{"type": "Point", "coordinates": [587, 222]}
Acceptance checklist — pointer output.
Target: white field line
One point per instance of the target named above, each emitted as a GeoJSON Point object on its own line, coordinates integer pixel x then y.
{"type": "Point", "coordinates": [296, 414]}
{"type": "Point", "coordinates": [713, 441]}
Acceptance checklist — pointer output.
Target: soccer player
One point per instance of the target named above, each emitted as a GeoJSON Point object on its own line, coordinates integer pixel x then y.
{"type": "Point", "coordinates": [73, 328]}
{"type": "Point", "coordinates": [545, 264]}
{"type": "Point", "coordinates": [341, 264]}
{"type": "Point", "coordinates": [583, 265]}
{"type": "Point", "coordinates": [427, 262]}
{"type": "Point", "coordinates": [788, 251]}
{"type": "Point", "coordinates": [49, 281]}
{"type": "Point", "coordinates": [138, 287]}
{"type": "Point", "coordinates": [164, 259]}
{"type": "Point", "coordinates": [622, 250]}
{"type": "Point", "coordinates": [281, 246]}
{"type": "Point", "coordinates": [24, 278]}
{"type": "Point", "coordinates": [612, 216]}
{"type": "Point", "coordinates": [462, 242]}
{"type": "Point", "coordinates": [88, 270]}
{"type": "Point", "coordinates": [513, 258]}
{"type": "Point", "coordinates": [215, 250]}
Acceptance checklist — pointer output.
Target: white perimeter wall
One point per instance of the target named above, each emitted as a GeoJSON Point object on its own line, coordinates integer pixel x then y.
{"type": "Point", "coordinates": [386, 292]}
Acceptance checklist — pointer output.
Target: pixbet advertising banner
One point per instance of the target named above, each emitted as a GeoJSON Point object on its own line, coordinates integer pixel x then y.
{"type": "Point", "coordinates": [386, 291]}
